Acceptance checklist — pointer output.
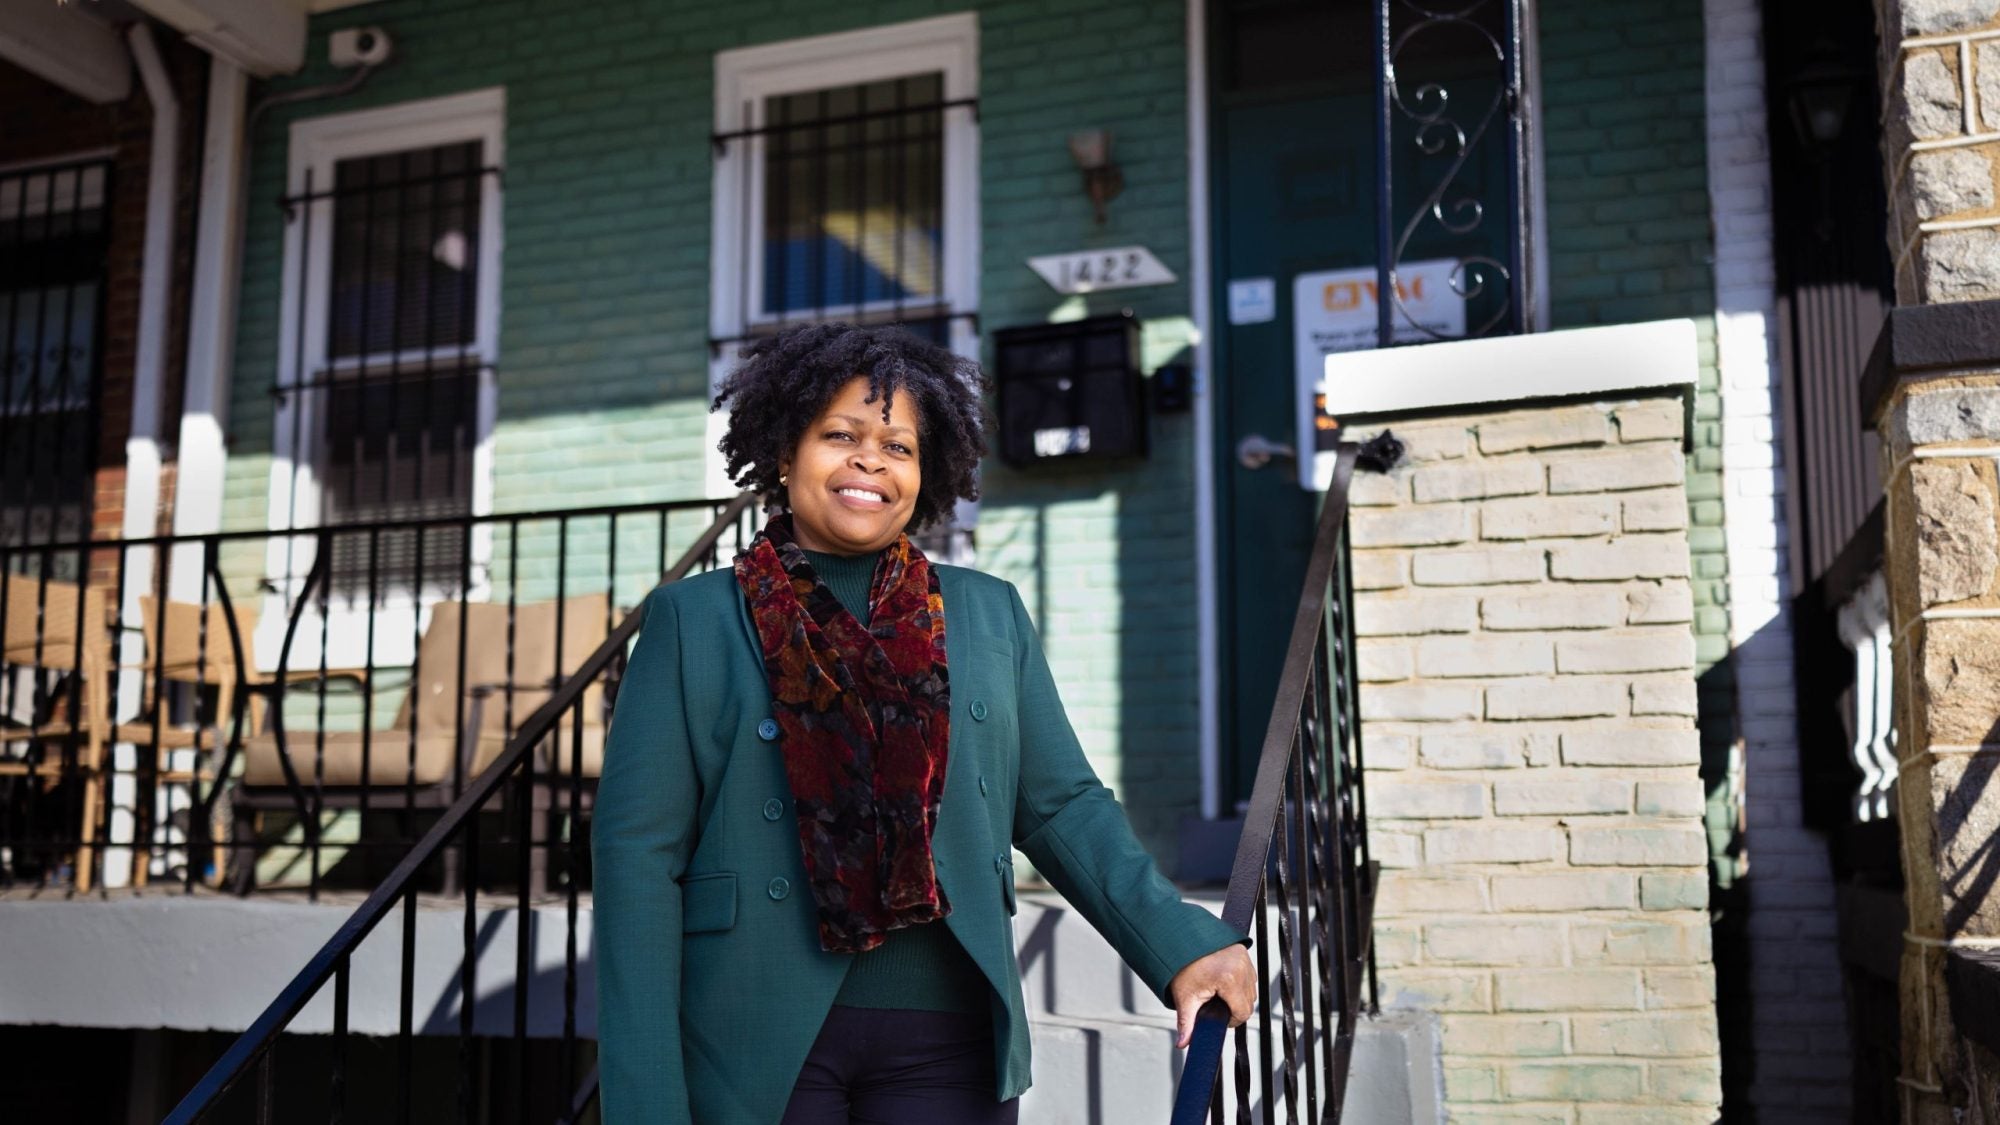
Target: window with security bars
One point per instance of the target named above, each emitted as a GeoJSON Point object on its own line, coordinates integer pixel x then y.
{"type": "Point", "coordinates": [847, 189]}
{"type": "Point", "coordinates": [397, 404]}
{"type": "Point", "coordinates": [52, 268]}
{"type": "Point", "coordinates": [845, 209]}
{"type": "Point", "coordinates": [853, 217]}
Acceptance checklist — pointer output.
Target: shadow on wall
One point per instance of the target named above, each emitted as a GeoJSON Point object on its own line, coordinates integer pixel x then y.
{"type": "Point", "coordinates": [1772, 891]}
{"type": "Point", "coordinates": [1159, 663]}
{"type": "Point", "coordinates": [1103, 554]}
{"type": "Point", "coordinates": [1968, 828]}
{"type": "Point", "coordinates": [1722, 777]}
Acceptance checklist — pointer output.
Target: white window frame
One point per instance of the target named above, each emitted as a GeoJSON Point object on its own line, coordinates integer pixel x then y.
{"type": "Point", "coordinates": [745, 79]}
{"type": "Point", "coordinates": [317, 144]}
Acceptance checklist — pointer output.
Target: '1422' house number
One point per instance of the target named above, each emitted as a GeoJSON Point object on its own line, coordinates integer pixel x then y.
{"type": "Point", "coordinates": [1088, 271]}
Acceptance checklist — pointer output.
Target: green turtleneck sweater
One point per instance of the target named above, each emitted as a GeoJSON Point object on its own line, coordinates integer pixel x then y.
{"type": "Point", "coordinates": [921, 966]}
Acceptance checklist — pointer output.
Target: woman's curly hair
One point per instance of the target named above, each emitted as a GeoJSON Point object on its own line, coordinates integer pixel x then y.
{"type": "Point", "coordinates": [786, 380]}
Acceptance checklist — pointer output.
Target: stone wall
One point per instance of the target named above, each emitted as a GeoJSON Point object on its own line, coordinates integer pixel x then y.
{"type": "Point", "coordinates": [1941, 132]}
{"type": "Point", "coordinates": [1940, 446]}
{"type": "Point", "coordinates": [1941, 437]}
{"type": "Point", "coordinates": [1529, 712]}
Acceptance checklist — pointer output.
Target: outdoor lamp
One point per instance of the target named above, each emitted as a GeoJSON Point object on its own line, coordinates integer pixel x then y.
{"type": "Point", "coordinates": [1818, 96]}
{"type": "Point", "coordinates": [1102, 180]}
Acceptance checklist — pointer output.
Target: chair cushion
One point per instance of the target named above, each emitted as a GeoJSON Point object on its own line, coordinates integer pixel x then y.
{"type": "Point", "coordinates": [553, 757]}
{"type": "Point", "coordinates": [389, 754]}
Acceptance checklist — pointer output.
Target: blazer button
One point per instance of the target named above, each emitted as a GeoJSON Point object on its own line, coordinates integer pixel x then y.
{"type": "Point", "coordinates": [978, 710]}
{"type": "Point", "coordinates": [1001, 861]}
{"type": "Point", "coordinates": [780, 887]}
{"type": "Point", "coordinates": [768, 730]}
{"type": "Point", "coordinates": [773, 809]}
{"type": "Point", "coordinates": [982, 785]}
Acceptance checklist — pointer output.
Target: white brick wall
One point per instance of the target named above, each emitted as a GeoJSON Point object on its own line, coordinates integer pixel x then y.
{"type": "Point", "coordinates": [1530, 658]}
{"type": "Point", "coordinates": [1799, 1057]}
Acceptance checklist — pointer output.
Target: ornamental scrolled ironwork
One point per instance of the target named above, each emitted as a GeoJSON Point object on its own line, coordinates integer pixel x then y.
{"type": "Point", "coordinates": [1438, 126]}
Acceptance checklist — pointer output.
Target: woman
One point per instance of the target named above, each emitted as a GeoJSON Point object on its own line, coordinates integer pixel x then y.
{"type": "Point", "coordinates": [817, 766]}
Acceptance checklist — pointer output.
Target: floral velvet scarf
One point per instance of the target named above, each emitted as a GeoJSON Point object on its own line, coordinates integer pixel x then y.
{"type": "Point", "coordinates": [864, 719]}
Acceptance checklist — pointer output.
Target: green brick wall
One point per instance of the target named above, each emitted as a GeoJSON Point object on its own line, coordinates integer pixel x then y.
{"type": "Point", "coordinates": [603, 353]}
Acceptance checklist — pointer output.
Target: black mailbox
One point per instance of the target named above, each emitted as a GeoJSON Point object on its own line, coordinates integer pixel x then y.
{"type": "Point", "coordinates": [1070, 390]}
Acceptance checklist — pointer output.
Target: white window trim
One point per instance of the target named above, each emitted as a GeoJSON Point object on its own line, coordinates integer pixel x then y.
{"type": "Point", "coordinates": [316, 144]}
{"type": "Point", "coordinates": [746, 77]}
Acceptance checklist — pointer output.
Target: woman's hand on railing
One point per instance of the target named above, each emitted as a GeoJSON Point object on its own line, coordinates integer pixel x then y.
{"type": "Point", "coordinates": [1224, 975]}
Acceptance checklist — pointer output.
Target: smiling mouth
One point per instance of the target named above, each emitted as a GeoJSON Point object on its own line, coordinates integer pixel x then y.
{"type": "Point", "coordinates": [862, 495]}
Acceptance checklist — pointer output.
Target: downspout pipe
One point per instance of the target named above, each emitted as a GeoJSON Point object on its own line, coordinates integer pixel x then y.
{"type": "Point", "coordinates": [202, 451]}
{"type": "Point", "coordinates": [142, 443]}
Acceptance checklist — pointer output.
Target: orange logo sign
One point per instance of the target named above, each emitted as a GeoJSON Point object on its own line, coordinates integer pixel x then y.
{"type": "Point", "coordinates": [1342, 296]}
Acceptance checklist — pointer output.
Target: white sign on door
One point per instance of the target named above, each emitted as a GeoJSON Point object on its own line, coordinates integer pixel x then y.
{"type": "Point", "coordinates": [1336, 311]}
{"type": "Point", "coordinates": [1253, 300]}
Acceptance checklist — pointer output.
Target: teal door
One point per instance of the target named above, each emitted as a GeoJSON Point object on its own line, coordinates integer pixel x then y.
{"type": "Point", "coordinates": [1293, 190]}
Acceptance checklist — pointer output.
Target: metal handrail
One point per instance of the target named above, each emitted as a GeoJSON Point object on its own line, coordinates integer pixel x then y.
{"type": "Point", "coordinates": [332, 961]}
{"type": "Point", "coordinates": [1303, 854]}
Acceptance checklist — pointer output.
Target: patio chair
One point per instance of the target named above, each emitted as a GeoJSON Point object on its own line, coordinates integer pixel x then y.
{"type": "Point", "coordinates": [418, 761]}
{"type": "Point", "coordinates": [41, 637]}
{"type": "Point", "coordinates": [189, 646]}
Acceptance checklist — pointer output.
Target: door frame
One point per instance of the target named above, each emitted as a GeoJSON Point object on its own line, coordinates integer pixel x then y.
{"type": "Point", "coordinates": [1207, 560]}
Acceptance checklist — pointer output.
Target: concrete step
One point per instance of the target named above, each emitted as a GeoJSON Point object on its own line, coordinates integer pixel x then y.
{"type": "Point", "coordinates": [1109, 1072]}
{"type": "Point", "coordinates": [1104, 1049]}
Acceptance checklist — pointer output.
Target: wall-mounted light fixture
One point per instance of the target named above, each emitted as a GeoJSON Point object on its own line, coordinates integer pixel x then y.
{"type": "Point", "coordinates": [1102, 180]}
{"type": "Point", "coordinates": [1820, 94]}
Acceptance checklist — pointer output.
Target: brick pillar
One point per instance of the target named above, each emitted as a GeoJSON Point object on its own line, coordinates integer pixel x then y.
{"type": "Point", "coordinates": [1936, 405]}
{"type": "Point", "coordinates": [1533, 791]}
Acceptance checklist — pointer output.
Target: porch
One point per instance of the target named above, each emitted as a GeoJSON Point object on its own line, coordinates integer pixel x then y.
{"type": "Point", "coordinates": [292, 709]}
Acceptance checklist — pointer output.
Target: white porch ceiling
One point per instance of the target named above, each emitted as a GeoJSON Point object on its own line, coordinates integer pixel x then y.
{"type": "Point", "coordinates": [66, 46]}
{"type": "Point", "coordinates": [73, 44]}
{"type": "Point", "coordinates": [264, 37]}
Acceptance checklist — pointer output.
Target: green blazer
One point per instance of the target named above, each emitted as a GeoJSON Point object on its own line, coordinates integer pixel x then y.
{"type": "Point", "coordinates": [711, 984]}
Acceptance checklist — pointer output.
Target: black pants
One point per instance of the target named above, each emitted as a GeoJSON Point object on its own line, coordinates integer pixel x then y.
{"type": "Point", "coordinates": [897, 1066]}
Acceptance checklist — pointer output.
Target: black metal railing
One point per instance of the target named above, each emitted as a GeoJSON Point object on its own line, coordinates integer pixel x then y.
{"type": "Point", "coordinates": [1451, 128]}
{"type": "Point", "coordinates": [506, 786]}
{"type": "Point", "coordinates": [1302, 865]}
{"type": "Point", "coordinates": [207, 709]}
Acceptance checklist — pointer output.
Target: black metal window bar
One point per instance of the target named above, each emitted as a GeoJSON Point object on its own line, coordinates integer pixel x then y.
{"type": "Point", "coordinates": [1302, 866]}
{"type": "Point", "coordinates": [53, 242]}
{"type": "Point", "coordinates": [842, 210]}
{"type": "Point", "coordinates": [1451, 147]}
{"type": "Point", "coordinates": [385, 406]}
{"type": "Point", "coordinates": [322, 1079]}
{"type": "Point", "coordinates": [240, 728]}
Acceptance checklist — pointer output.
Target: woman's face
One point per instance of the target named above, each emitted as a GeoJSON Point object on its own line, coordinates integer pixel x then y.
{"type": "Point", "coordinates": [853, 480]}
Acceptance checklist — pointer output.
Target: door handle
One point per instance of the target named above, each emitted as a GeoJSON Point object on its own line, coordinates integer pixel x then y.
{"type": "Point", "coordinates": [1255, 451]}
